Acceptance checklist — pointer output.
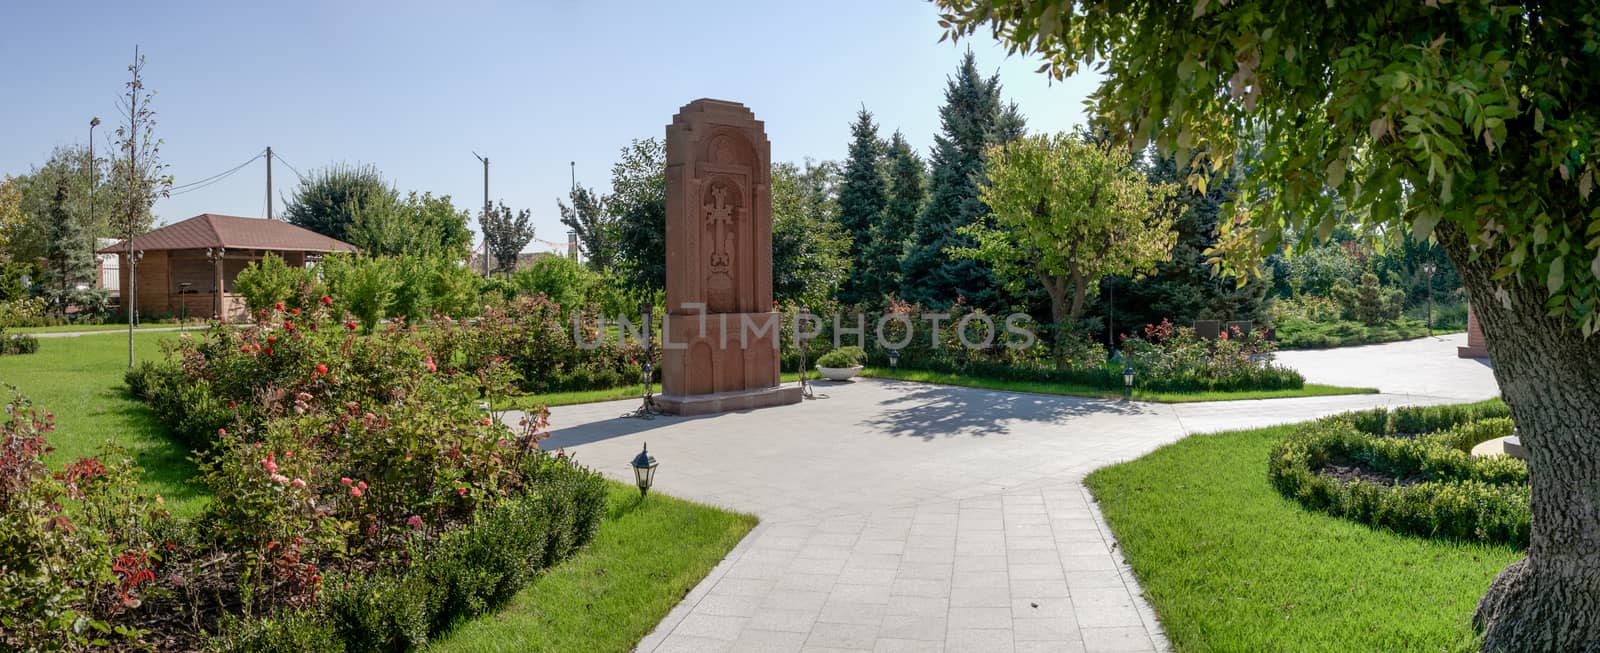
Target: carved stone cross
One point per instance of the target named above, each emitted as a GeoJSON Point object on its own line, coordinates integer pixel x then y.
{"type": "Point", "coordinates": [720, 215]}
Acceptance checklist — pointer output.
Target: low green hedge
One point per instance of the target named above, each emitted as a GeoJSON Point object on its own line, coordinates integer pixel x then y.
{"type": "Point", "coordinates": [1300, 333]}
{"type": "Point", "coordinates": [1450, 494]}
{"type": "Point", "coordinates": [468, 571]}
{"type": "Point", "coordinates": [843, 357]}
{"type": "Point", "coordinates": [1107, 376]}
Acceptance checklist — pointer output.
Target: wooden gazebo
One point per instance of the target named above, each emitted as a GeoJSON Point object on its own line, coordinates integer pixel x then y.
{"type": "Point", "coordinates": [190, 266]}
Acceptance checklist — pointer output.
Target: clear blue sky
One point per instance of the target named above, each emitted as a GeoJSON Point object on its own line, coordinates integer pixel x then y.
{"type": "Point", "coordinates": [414, 88]}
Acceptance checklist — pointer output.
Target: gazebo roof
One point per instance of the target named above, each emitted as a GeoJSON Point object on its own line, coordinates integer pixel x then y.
{"type": "Point", "coordinates": [232, 232]}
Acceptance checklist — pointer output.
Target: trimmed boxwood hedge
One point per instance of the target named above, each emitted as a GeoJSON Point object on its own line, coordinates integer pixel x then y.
{"type": "Point", "coordinates": [470, 570]}
{"type": "Point", "coordinates": [1448, 493]}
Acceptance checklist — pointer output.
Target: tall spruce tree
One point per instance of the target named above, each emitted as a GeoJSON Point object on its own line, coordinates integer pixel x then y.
{"type": "Point", "coordinates": [69, 252]}
{"type": "Point", "coordinates": [972, 118]}
{"type": "Point", "coordinates": [862, 198]}
{"type": "Point", "coordinates": [887, 246]}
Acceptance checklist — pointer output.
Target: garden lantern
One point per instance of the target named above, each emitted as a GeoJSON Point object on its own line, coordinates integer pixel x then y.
{"type": "Point", "coordinates": [1127, 382]}
{"type": "Point", "coordinates": [644, 470]}
{"type": "Point", "coordinates": [894, 358]}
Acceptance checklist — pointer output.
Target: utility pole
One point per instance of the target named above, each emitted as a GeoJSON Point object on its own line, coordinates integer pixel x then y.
{"type": "Point", "coordinates": [574, 165]}
{"type": "Point", "coordinates": [483, 223]}
{"type": "Point", "coordinates": [131, 293]}
{"type": "Point", "coordinates": [269, 182]}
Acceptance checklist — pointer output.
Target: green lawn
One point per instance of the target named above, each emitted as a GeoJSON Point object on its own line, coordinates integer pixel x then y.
{"type": "Point", "coordinates": [87, 328]}
{"type": "Point", "coordinates": [1229, 564]}
{"type": "Point", "coordinates": [79, 380]}
{"type": "Point", "coordinates": [1039, 387]}
{"type": "Point", "coordinates": [646, 557]}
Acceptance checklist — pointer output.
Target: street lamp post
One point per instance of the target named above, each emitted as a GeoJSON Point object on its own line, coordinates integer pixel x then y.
{"type": "Point", "coordinates": [1429, 268]}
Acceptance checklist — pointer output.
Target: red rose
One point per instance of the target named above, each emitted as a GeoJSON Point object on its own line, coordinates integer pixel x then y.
{"type": "Point", "coordinates": [322, 369]}
{"type": "Point", "coordinates": [351, 325]}
{"type": "Point", "coordinates": [278, 306]}
{"type": "Point", "coordinates": [294, 311]}
{"type": "Point", "coordinates": [327, 301]}
{"type": "Point", "coordinates": [272, 339]}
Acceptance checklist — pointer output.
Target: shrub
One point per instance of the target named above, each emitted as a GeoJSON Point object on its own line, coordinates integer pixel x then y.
{"type": "Point", "coordinates": [843, 357]}
{"type": "Point", "coordinates": [1440, 489]}
{"type": "Point", "coordinates": [78, 549]}
{"type": "Point", "coordinates": [17, 343]}
{"type": "Point", "coordinates": [1369, 303]}
{"type": "Point", "coordinates": [272, 282]}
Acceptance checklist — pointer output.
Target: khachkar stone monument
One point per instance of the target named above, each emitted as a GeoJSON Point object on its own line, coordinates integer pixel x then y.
{"type": "Point", "coordinates": [720, 347]}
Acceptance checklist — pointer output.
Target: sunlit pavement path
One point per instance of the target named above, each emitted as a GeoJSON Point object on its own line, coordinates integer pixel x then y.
{"type": "Point", "coordinates": [902, 516]}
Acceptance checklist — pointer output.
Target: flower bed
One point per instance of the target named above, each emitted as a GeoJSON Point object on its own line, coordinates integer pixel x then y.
{"type": "Point", "coordinates": [1410, 470]}
{"type": "Point", "coordinates": [360, 501]}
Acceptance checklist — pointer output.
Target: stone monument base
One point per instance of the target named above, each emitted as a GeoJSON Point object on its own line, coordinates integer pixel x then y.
{"type": "Point", "coordinates": [722, 402]}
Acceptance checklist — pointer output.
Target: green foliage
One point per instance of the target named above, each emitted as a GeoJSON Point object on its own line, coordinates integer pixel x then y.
{"type": "Point", "coordinates": [332, 201]}
{"type": "Point", "coordinates": [1318, 270]}
{"type": "Point", "coordinates": [595, 227]}
{"type": "Point", "coordinates": [419, 225]}
{"type": "Point", "coordinates": [1470, 118]}
{"type": "Point", "coordinates": [557, 277]}
{"type": "Point", "coordinates": [505, 235]}
{"type": "Point", "coordinates": [1184, 288]}
{"type": "Point", "coordinates": [270, 282]}
{"type": "Point", "coordinates": [78, 547]}
{"type": "Point", "coordinates": [468, 571]}
{"type": "Point", "coordinates": [843, 357]}
{"type": "Point", "coordinates": [1369, 303]}
{"type": "Point", "coordinates": [886, 245]}
{"type": "Point", "coordinates": [70, 250]}
{"type": "Point", "coordinates": [810, 250]}
{"type": "Point", "coordinates": [1065, 212]}
{"type": "Point", "coordinates": [365, 286]}
{"type": "Point", "coordinates": [1308, 322]}
{"type": "Point", "coordinates": [17, 343]}
{"type": "Point", "coordinates": [638, 204]}
{"type": "Point", "coordinates": [972, 119]}
{"type": "Point", "coordinates": [863, 196]}
{"type": "Point", "coordinates": [1441, 490]}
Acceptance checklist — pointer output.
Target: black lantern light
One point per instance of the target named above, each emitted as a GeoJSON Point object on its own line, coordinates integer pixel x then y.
{"type": "Point", "coordinates": [644, 470]}
{"type": "Point", "coordinates": [1127, 382]}
{"type": "Point", "coordinates": [894, 358]}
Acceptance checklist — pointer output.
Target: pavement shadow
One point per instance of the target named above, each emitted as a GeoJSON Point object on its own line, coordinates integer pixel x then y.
{"type": "Point", "coordinates": [931, 411]}
{"type": "Point", "coordinates": [605, 429]}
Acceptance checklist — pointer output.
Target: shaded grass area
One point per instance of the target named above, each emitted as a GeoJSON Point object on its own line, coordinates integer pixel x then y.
{"type": "Point", "coordinates": [646, 557]}
{"type": "Point", "coordinates": [592, 396]}
{"type": "Point", "coordinates": [79, 380]}
{"type": "Point", "coordinates": [1040, 387]}
{"type": "Point", "coordinates": [1229, 564]}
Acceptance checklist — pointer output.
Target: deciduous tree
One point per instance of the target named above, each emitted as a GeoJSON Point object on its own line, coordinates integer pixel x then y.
{"type": "Point", "coordinates": [506, 234]}
{"type": "Point", "coordinates": [638, 203]}
{"type": "Point", "coordinates": [595, 227]}
{"type": "Point", "coordinates": [334, 199]}
{"type": "Point", "coordinates": [1472, 122]}
{"type": "Point", "coordinates": [1066, 212]}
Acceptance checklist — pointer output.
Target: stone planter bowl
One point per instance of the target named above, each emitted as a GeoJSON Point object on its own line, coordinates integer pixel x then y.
{"type": "Point", "coordinates": [839, 373]}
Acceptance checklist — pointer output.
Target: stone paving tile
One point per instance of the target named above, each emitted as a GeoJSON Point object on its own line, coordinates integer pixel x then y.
{"type": "Point", "coordinates": [945, 519]}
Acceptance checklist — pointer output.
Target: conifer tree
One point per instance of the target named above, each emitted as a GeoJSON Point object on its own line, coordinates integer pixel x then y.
{"type": "Point", "coordinates": [70, 256]}
{"type": "Point", "coordinates": [887, 245]}
{"type": "Point", "coordinates": [972, 118]}
{"type": "Point", "coordinates": [862, 198]}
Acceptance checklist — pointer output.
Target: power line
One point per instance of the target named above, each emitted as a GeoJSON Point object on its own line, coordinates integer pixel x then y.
{"type": "Point", "coordinates": [197, 185]}
{"type": "Point", "coordinates": [293, 169]}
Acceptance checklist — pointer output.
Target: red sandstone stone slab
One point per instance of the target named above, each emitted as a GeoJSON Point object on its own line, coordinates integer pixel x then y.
{"type": "Point", "coordinates": [720, 351]}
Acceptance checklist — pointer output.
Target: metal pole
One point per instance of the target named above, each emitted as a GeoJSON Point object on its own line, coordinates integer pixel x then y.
{"type": "Point", "coordinates": [485, 161]}
{"type": "Point", "coordinates": [269, 182]}
{"type": "Point", "coordinates": [131, 292]}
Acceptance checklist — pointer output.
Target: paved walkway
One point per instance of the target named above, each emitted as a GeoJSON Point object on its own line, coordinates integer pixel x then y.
{"type": "Point", "coordinates": [123, 331]}
{"type": "Point", "coordinates": [900, 516]}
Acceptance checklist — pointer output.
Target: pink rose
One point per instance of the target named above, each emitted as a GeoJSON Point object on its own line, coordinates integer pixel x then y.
{"type": "Point", "coordinates": [355, 492]}
{"type": "Point", "coordinates": [414, 522]}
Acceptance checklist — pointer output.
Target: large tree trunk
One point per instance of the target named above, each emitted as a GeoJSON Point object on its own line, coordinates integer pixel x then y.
{"type": "Point", "coordinates": [1550, 376]}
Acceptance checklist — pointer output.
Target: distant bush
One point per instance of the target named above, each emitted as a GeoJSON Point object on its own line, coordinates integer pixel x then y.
{"type": "Point", "coordinates": [272, 282]}
{"type": "Point", "coordinates": [843, 357]}
{"type": "Point", "coordinates": [1440, 489]}
{"type": "Point", "coordinates": [17, 343]}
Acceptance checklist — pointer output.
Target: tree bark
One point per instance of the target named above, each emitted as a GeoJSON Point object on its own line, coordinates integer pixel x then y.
{"type": "Point", "coordinates": [1549, 374]}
